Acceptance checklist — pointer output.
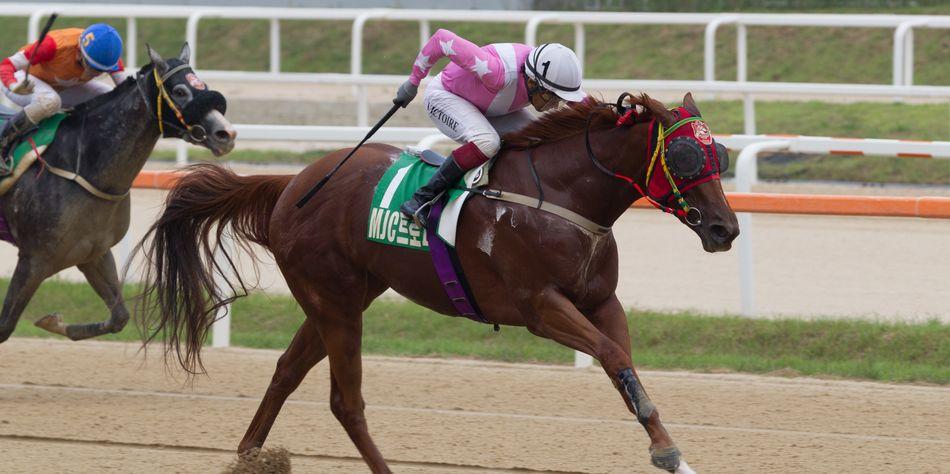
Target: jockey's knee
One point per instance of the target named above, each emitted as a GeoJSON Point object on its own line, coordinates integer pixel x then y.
{"type": "Point", "coordinates": [43, 106]}
{"type": "Point", "coordinates": [488, 143]}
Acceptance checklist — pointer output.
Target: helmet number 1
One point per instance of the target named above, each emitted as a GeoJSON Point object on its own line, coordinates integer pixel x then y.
{"type": "Point", "coordinates": [544, 72]}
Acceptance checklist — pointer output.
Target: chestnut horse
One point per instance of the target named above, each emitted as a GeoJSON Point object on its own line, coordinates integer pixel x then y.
{"type": "Point", "coordinates": [525, 266]}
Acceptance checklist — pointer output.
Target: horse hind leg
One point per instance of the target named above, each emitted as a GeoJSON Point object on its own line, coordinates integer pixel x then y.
{"type": "Point", "coordinates": [104, 279]}
{"type": "Point", "coordinates": [342, 335]}
{"type": "Point", "coordinates": [304, 352]}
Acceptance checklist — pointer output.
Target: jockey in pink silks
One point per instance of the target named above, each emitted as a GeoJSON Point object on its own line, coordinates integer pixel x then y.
{"type": "Point", "coordinates": [481, 95]}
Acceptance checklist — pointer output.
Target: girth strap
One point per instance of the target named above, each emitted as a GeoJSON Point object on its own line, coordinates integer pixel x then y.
{"type": "Point", "coordinates": [567, 214]}
{"type": "Point", "coordinates": [85, 184]}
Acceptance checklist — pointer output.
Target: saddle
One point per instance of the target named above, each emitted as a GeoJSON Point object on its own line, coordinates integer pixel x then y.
{"type": "Point", "coordinates": [27, 150]}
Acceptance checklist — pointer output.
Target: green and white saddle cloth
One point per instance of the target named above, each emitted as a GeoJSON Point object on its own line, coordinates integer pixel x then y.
{"type": "Point", "coordinates": [388, 226]}
{"type": "Point", "coordinates": [24, 155]}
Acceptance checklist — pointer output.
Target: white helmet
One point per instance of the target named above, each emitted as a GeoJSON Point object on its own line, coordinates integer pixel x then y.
{"type": "Point", "coordinates": [556, 68]}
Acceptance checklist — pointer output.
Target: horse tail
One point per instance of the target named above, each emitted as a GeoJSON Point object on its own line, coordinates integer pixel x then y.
{"type": "Point", "coordinates": [190, 274]}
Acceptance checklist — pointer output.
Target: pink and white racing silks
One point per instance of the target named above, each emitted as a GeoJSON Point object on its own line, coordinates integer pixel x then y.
{"type": "Point", "coordinates": [489, 77]}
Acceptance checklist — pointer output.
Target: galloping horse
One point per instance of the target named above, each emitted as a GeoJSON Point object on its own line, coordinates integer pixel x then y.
{"type": "Point", "coordinates": [526, 267]}
{"type": "Point", "coordinates": [57, 224]}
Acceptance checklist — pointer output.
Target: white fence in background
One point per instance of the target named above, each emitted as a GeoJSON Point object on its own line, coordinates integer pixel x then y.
{"type": "Point", "coordinates": [902, 57]}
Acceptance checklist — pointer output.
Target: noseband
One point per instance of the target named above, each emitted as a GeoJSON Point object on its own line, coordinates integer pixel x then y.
{"type": "Point", "coordinates": [691, 215]}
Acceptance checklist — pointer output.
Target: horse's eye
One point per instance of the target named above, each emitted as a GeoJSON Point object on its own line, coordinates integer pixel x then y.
{"type": "Point", "coordinates": [181, 91]}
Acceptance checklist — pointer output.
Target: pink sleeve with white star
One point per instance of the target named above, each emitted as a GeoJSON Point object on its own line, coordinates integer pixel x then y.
{"type": "Point", "coordinates": [463, 53]}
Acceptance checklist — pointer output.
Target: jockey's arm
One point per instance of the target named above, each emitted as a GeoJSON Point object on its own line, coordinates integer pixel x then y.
{"type": "Point", "coordinates": [120, 75]}
{"type": "Point", "coordinates": [463, 53]}
{"type": "Point", "coordinates": [21, 59]}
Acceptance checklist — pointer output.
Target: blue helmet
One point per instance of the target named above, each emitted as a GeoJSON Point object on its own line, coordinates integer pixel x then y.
{"type": "Point", "coordinates": [101, 47]}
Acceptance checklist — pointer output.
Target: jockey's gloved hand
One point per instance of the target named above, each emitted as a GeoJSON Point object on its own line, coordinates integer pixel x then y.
{"type": "Point", "coordinates": [24, 87]}
{"type": "Point", "coordinates": [407, 91]}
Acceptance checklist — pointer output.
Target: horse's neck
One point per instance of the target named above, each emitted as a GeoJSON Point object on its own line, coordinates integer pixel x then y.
{"type": "Point", "coordinates": [115, 141]}
{"type": "Point", "coordinates": [571, 180]}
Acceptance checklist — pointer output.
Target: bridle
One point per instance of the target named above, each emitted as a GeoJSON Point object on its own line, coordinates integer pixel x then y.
{"type": "Point", "coordinates": [193, 133]}
{"type": "Point", "coordinates": [691, 215]}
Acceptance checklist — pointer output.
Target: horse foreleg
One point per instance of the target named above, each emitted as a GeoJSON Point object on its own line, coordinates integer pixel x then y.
{"type": "Point", "coordinates": [26, 279]}
{"type": "Point", "coordinates": [305, 351]}
{"type": "Point", "coordinates": [554, 316]}
{"type": "Point", "coordinates": [104, 278]}
{"type": "Point", "coordinates": [611, 320]}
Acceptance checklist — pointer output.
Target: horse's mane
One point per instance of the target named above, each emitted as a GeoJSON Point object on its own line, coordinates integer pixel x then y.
{"type": "Point", "coordinates": [571, 120]}
{"type": "Point", "coordinates": [100, 100]}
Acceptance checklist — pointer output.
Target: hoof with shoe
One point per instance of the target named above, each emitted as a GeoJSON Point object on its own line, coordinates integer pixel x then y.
{"type": "Point", "coordinates": [52, 323]}
{"type": "Point", "coordinates": [684, 468]}
{"type": "Point", "coordinates": [667, 459]}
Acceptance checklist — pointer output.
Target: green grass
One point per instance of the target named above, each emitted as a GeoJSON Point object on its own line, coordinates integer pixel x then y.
{"type": "Point", "coordinates": [835, 348]}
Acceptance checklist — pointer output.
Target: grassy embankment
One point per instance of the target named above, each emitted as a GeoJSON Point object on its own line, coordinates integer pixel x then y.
{"type": "Point", "coordinates": [842, 55]}
{"type": "Point", "coordinates": [842, 348]}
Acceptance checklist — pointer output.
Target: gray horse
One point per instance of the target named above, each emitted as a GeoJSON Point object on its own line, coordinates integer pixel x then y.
{"type": "Point", "coordinates": [58, 223]}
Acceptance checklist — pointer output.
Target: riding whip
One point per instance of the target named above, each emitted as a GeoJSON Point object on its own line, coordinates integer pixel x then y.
{"type": "Point", "coordinates": [36, 46]}
{"type": "Point", "coordinates": [329, 175]}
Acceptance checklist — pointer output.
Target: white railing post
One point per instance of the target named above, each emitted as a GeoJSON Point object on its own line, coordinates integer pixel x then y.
{"type": "Point", "coordinates": [582, 360]}
{"type": "Point", "coordinates": [131, 43]}
{"type": "Point", "coordinates": [745, 177]}
{"type": "Point", "coordinates": [356, 68]}
{"type": "Point", "coordinates": [709, 46]}
{"type": "Point", "coordinates": [33, 25]}
{"type": "Point", "coordinates": [123, 250]}
{"type": "Point", "coordinates": [579, 44]}
{"type": "Point", "coordinates": [221, 328]}
{"type": "Point", "coordinates": [531, 28]}
{"type": "Point", "coordinates": [748, 114]}
{"type": "Point", "coordinates": [275, 46]}
{"type": "Point", "coordinates": [191, 35]}
{"type": "Point", "coordinates": [903, 61]}
{"type": "Point", "coordinates": [181, 153]}
{"type": "Point", "coordinates": [424, 32]}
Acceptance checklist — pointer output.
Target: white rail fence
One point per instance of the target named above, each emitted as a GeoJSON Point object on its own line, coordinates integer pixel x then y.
{"type": "Point", "coordinates": [902, 56]}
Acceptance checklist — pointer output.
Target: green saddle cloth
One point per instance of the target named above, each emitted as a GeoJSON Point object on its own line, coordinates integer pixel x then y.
{"type": "Point", "coordinates": [23, 155]}
{"type": "Point", "coordinates": [386, 224]}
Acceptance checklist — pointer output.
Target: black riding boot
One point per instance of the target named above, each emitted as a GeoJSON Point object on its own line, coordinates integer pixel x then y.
{"type": "Point", "coordinates": [16, 127]}
{"type": "Point", "coordinates": [447, 174]}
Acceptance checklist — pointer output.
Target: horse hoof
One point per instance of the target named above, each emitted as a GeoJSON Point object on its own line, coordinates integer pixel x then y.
{"type": "Point", "coordinates": [667, 459]}
{"type": "Point", "coordinates": [52, 323]}
{"type": "Point", "coordinates": [684, 468]}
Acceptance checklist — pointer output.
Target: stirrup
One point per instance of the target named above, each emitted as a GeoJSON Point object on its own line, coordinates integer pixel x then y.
{"type": "Point", "coordinates": [416, 215]}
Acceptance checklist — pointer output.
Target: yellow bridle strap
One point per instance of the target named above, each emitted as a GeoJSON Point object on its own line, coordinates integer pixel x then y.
{"type": "Point", "coordinates": [660, 151]}
{"type": "Point", "coordinates": [163, 94]}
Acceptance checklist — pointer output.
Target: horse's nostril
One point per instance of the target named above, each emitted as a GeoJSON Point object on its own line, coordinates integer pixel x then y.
{"type": "Point", "coordinates": [222, 135]}
{"type": "Point", "coordinates": [720, 232]}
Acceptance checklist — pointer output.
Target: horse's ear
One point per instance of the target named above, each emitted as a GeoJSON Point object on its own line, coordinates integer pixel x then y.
{"type": "Point", "coordinates": [185, 54]}
{"type": "Point", "coordinates": [690, 105]}
{"type": "Point", "coordinates": [156, 59]}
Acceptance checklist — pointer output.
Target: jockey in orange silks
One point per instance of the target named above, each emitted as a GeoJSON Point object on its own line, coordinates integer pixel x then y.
{"type": "Point", "coordinates": [61, 71]}
{"type": "Point", "coordinates": [481, 95]}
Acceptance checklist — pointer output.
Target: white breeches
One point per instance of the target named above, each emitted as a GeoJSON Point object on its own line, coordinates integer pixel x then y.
{"type": "Point", "coordinates": [461, 121]}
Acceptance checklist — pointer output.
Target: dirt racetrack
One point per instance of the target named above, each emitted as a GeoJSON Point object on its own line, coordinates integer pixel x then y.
{"type": "Point", "coordinates": [96, 407]}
